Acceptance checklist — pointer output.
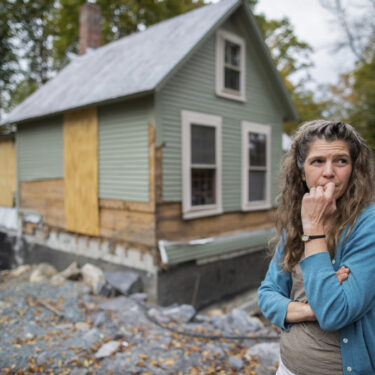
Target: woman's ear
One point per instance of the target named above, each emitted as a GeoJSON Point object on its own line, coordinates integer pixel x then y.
{"type": "Point", "coordinates": [303, 175]}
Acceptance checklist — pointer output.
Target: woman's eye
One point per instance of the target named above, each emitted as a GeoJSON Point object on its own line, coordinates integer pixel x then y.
{"type": "Point", "coordinates": [317, 161]}
{"type": "Point", "coordinates": [342, 161]}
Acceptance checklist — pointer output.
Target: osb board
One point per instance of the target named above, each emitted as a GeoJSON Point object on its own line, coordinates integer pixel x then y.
{"type": "Point", "coordinates": [7, 172]}
{"type": "Point", "coordinates": [128, 226]}
{"type": "Point", "coordinates": [81, 171]}
{"type": "Point", "coordinates": [171, 226]}
{"type": "Point", "coordinates": [45, 197]}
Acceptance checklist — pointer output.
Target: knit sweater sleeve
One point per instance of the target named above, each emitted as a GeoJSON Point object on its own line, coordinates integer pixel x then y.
{"type": "Point", "coordinates": [274, 292]}
{"type": "Point", "coordinates": [337, 305]}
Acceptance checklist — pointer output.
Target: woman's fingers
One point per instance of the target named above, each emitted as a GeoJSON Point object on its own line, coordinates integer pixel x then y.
{"type": "Point", "coordinates": [317, 206]}
{"type": "Point", "coordinates": [342, 274]}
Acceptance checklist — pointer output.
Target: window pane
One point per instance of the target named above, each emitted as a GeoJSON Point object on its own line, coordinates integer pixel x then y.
{"type": "Point", "coordinates": [232, 79]}
{"type": "Point", "coordinates": [202, 144]}
{"type": "Point", "coordinates": [257, 149]}
{"type": "Point", "coordinates": [202, 186]}
{"type": "Point", "coordinates": [232, 53]}
{"type": "Point", "coordinates": [257, 186]}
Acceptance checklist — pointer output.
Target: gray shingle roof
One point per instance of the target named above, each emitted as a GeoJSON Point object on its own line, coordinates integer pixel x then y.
{"type": "Point", "coordinates": [134, 64]}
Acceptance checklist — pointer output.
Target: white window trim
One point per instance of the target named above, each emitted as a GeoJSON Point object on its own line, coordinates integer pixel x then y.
{"type": "Point", "coordinates": [248, 127]}
{"type": "Point", "coordinates": [221, 37]}
{"type": "Point", "coordinates": [188, 118]}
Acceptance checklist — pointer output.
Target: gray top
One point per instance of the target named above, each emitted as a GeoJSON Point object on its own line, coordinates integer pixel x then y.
{"type": "Point", "coordinates": [306, 348]}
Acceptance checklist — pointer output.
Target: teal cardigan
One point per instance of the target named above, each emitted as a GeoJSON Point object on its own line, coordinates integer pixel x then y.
{"type": "Point", "coordinates": [348, 307]}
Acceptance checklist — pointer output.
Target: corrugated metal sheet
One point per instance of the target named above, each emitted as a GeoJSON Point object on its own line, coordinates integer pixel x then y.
{"type": "Point", "coordinates": [193, 88]}
{"type": "Point", "coordinates": [40, 150]}
{"type": "Point", "coordinates": [179, 252]}
{"type": "Point", "coordinates": [123, 151]}
{"type": "Point", "coordinates": [133, 64]}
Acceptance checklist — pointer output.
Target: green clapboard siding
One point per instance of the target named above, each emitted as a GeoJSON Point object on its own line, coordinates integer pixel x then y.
{"type": "Point", "coordinates": [193, 88]}
{"type": "Point", "coordinates": [40, 150]}
{"type": "Point", "coordinates": [179, 252]}
{"type": "Point", "coordinates": [123, 150]}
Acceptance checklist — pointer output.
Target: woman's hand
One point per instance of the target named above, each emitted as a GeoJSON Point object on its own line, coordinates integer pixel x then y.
{"type": "Point", "coordinates": [342, 274]}
{"type": "Point", "coordinates": [317, 206]}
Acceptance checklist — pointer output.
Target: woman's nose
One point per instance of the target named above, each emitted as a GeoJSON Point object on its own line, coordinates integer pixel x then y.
{"type": "Point", "coordinates": [328, 171]}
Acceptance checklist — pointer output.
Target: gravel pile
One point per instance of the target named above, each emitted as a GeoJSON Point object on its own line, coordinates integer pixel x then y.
{"type": "Point", "coordinates": [62, 327]}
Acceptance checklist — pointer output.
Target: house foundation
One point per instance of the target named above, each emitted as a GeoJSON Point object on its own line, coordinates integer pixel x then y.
{"type": "Point", "coordinates": [196, 283]}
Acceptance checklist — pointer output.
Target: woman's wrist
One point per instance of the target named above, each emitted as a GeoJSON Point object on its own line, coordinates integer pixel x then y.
{"type": "Point", "coordinates": [313, 229]}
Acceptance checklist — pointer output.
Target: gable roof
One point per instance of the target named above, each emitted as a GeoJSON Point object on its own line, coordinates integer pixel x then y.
{"type": "Point", "coordinates": [133, 65]}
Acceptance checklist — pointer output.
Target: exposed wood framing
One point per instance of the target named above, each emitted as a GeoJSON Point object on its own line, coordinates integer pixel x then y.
{"type": "Point", "coordinates": [7, 172]}
{"type": "Point", "coordinates": [159, 175]}
{"type": "Point", "coordinates": [45, 197]}
{"type": "Point", "coordinates": [81, 171]}
{"type": "Point", "coordinates": [129, 226]}
{"type": "Point", "coordinates": [171, 226]}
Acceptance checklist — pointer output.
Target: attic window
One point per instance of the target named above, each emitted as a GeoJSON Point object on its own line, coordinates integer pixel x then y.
{"type": "Point", "coordinates": [230, 66]}
{"type": "Point", "coordinates": [201, 160]}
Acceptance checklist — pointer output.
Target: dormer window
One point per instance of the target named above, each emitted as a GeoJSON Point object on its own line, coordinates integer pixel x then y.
{"type": "Point", "coordinates": [230, 66]}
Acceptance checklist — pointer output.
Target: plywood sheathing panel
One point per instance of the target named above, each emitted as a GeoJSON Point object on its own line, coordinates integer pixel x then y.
{"type": "Point", "coordinates": [46, 197]}
{"type": "Point", "coordinates": [171, 226]}
{"type": "Point", "coordinates": [7, 173]}
{"type": "Point", "coordinates": [81, 171]}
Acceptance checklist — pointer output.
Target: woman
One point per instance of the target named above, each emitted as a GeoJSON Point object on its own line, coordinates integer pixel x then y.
{"type": "Point", "coordinates": [320, 285]}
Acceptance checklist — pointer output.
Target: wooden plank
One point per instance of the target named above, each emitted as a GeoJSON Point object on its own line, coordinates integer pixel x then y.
{"type": "Point", "coordinates": [133, 227]}
{"type": "Point", "coordinates": [170, 225]}
{"type": "Point", "coordinates": [45, 197]}
{"type": "Point", "coordinates": [81, 171]}
{"type": "Point", "coordinates": [116, 204]}
{"type": "Point", "coordinates": [7, 173]}
{"type": "Point", "coordinates": [151, 153]}
{"type": "Point", "coordinates": [159, 174]}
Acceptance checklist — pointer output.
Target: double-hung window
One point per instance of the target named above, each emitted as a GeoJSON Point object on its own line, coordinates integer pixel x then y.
{"type": "Point", "coordinates": [230, 65]}
{"type": "Point", "coordinates": [256, 155]}
{"type": "Point", "coordinates": [201, 161]}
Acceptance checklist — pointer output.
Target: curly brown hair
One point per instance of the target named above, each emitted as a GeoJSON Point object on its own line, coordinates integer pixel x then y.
{"type": "Point", "coordinates": [358, 194]}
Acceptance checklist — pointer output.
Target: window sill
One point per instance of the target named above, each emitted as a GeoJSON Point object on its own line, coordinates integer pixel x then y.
{"type": "Point", "coordinates": [257, 206]}
{"type": "Point", "coordinates": [201, 212]}
{"type": "Point", "coordinates": [239, 97]}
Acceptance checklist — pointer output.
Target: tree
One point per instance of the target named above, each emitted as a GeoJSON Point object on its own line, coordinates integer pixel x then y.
{"type": "Point", "coordinates": [363, 112]}
{"type": "Point", "coordinates": [358, 27]}
{"type": "Point", "coordinates": [353, 97]}
{"type": "Point", "coordinates": [9, 66]}
{"type": "Point", "coordinates": [44, 33]}
{"type": "Point", "coordinates": [119, 18]}
{"type": "Point", "coordinates": [291, 56]}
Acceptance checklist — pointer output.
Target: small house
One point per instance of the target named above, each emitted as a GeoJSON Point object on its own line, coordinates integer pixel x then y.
{"type": "Point", "coordinates": [158, 152]}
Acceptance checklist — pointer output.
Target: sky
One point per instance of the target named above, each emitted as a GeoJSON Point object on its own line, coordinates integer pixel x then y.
{"type": "Point", "coordinates": [316, 26]}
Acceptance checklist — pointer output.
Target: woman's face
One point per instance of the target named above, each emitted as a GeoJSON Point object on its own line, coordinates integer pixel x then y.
{"type": "Point", "coordinates": [328, 162]}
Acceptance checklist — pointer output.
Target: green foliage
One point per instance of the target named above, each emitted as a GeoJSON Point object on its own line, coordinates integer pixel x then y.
{"type": "Point", "coordinates": [292, 55]}
{"type": "Point", "coordinates": [8, 60]}
{"type": "Point", "coordinates": [119, 18]}
{"type": "Point", "coordinates": [32, 23]}
{"type": "Point", "coordinates": [43, 33]}
{"type": "Point", "coordinates": [363, 111]}
{"type": "Point", "coordinates": [20, 92]}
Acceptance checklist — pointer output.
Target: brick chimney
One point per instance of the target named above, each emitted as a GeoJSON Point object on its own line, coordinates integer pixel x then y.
{"type": "Point", "coordinates": [89, 27]}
